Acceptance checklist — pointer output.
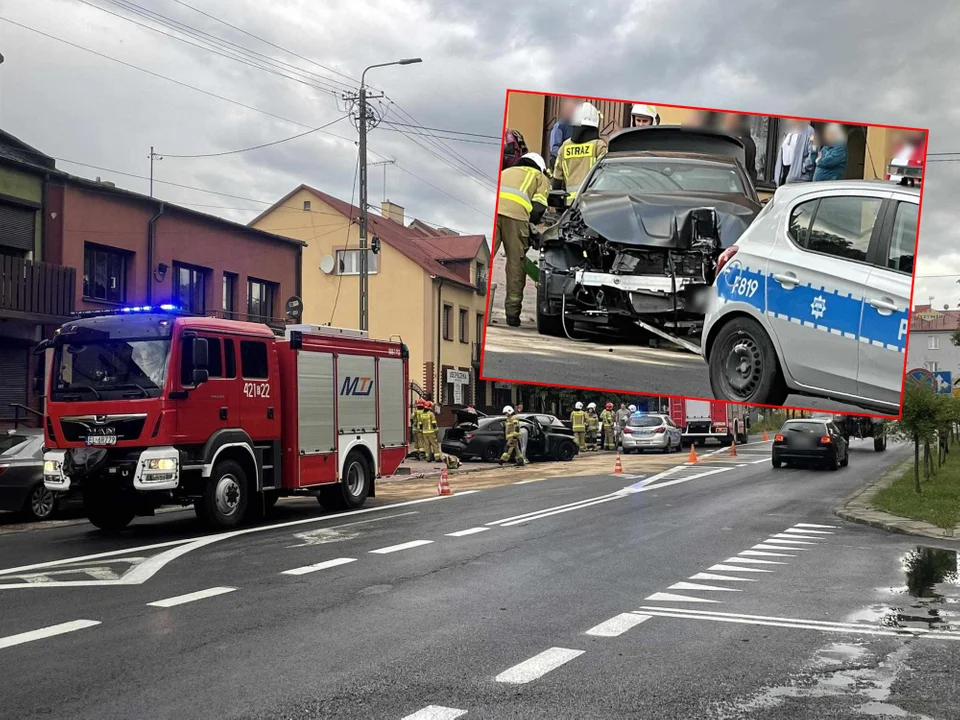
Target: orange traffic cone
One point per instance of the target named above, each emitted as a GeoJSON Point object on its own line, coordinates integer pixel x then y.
{"type": "Point", "coordinates": [618, 466]}
{"type": "Point", "coordinates": [693, 454]}
{"type": "Point", "coordinates": [443, 487]}
{"type": "Point", "coordinates": [733, 448]}
{"type": "Point", "coordinates": [765, 436]}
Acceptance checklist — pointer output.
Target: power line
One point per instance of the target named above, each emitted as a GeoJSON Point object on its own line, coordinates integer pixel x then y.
{"type": "Point", "coordinates": [452, 139]}
{"type": "Point", "coordinates": [444, 130]}
{"type": "Point", "coordinates": [262, 145]}
{"type": "Point", "coordinates": [483, 182]}
{"type": "Point", "coordinates": [486, 214]}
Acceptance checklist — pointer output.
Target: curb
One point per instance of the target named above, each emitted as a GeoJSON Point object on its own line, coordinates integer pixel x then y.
{"type": "Point", "coordinates": [857, 508]}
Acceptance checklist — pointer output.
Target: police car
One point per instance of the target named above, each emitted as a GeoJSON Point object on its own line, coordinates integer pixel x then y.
{"type": "Point", "coordinates": [814, 297]}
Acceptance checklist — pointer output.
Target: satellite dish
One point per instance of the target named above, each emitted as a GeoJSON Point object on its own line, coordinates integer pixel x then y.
{"type": "Point", "coordinates": [946, 307]}
{"type": "Point", "coordinates": [326, 264]}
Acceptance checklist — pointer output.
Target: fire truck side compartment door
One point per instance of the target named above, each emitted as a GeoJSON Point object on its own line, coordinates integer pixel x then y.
{"type": "Point", "coordinates": [315, 392]}
{"type": "Point", "coordinates": [392, 419]}
{"type": "Point", "coordinates": [357, 405]}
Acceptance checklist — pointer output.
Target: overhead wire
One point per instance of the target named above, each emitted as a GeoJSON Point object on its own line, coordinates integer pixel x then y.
{"type": "Point", "coordinates": [261, 145]}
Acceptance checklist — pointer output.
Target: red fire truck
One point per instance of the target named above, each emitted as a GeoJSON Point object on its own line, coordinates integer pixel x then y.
{"type": "Point", "coordinates": [147, 407]}
{"type": "Point", "coordinates": [704, 419]}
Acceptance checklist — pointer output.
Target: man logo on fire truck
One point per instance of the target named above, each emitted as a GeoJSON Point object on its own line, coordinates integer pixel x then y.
{"type": "Point", "coordinates": [356, 386]}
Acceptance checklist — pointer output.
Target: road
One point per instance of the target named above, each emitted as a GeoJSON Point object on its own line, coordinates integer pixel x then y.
{"type": "Point", "coordinates": [524, 355]}
{"type": "Point", "coordinates": [721, 589]}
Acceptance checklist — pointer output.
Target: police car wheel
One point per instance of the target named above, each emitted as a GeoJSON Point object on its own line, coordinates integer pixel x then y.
{"type": "Point", "coordinates": [744, 366]}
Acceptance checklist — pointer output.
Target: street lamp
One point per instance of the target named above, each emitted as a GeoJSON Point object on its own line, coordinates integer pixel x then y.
{"type": "Point", "coordinates": [364, 273]}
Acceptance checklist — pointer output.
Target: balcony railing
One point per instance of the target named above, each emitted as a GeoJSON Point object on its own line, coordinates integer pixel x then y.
{"type": "Point", "coordinates": [482, 284]}
{"type": "Point", "coordinates": [31, 289]}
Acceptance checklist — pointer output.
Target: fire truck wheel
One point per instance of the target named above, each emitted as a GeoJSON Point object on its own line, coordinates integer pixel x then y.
{"type": "Point", "coordinates": [225, 497]}
{"type": "Point", "coordinates": [106, 511]}
{"type": "Point", "coordinates": [352, 491]}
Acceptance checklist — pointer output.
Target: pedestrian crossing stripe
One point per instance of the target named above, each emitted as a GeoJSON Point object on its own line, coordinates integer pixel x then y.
{"type": "Point", "coordinates": [844, 315]}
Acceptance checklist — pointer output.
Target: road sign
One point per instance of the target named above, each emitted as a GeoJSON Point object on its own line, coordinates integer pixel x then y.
{"type": "Point", "coordinates": [921, 376]}
{"type": "Point", "coordinates": [943, 382]}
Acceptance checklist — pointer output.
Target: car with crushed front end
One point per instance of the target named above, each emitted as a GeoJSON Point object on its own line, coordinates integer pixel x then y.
{"type": "Point", "coordinates": [813, 441]}
{"type": "Point", "coordinates": [636, 251]}
{"type": "Point", "coordinates": [484, 438]}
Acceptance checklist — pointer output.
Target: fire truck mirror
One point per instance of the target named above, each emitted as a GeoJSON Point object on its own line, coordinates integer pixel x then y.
{"type": "Point", "coordinates": [201, 357]}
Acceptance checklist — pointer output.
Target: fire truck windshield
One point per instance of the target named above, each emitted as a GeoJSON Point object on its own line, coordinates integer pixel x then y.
{"type": "Point", "coordinates": [90, 369]}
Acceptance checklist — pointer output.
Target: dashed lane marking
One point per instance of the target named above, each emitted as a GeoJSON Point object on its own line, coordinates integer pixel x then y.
{"type": "Point", "coordinates": [672, 597]}
{"type": "Point", "coordinates": [401, 546]}
{"type": "Point", "coordinates": [617, 625]}
{"type": "Point", "coordinates": [468, 531]}
{"type": "Point", "coordinates": [191, 597]}
{"type": "Point", "coordinates": [336, 562]}
{"type": "Point", "coordinates": [538, 666]}
{"type": "Point", "coordinates": [711, 576]}
{"type": "Point", "coordinates": [436, 712]}
{"type": "Point", "coordinates": [46, 632]}
{"type": "Point", "coordinates": [697, 586]}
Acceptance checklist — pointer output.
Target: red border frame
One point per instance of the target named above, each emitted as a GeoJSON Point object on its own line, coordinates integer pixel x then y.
{"type": "Point", "coordinates": [913, 277]}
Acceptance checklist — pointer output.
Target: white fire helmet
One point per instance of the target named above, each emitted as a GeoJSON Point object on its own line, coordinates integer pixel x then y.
{"type": "Point", "coordinates": [537, 159]}
{"type": "Point", "coordinates": [578, 406]}
{"type": "Point", "coordinates": [586, 115]}
{"type": "Point", "coordinates": [633, 408]}
{"type": "Point", "coordinates": [649, 111]}
{"type": "Point", "coordinates": [508, 410]}
{"type": "Point", "coordinates": [592, 406]}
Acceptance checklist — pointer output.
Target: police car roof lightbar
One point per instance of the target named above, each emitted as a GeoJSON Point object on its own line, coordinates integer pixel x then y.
{"type": "Point", "coordinates": [161, 308]}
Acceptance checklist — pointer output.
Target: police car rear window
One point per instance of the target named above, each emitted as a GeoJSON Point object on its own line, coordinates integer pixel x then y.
{"type": "Point", "coordinates": [647, 421]}
{"type": "Point", "coordinates": [838, 226]}
{"type": "Point", "coordinates": [904, 240]}
{"type": "Point", "coordinates": [805, 427]}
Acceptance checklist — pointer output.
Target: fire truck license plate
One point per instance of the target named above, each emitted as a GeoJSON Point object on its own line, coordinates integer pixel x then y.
{"type": "Point", "coordinates": [101, 439]}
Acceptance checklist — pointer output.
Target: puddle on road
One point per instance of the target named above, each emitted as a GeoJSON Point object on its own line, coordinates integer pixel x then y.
{"type": "Point", "coordinates": [930, 599]}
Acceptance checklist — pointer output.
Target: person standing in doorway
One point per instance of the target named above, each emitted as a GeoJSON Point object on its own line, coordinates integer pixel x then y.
{"type": "Point", "coordinates": [831, 158]}
{"type": "Point", "coordinates": [793, 151]}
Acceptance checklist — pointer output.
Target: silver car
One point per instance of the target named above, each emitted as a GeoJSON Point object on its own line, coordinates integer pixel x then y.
{"type": "Point", "coordinates": [650, 432]}
{"type": "Point", "coordinates": [814, 297]}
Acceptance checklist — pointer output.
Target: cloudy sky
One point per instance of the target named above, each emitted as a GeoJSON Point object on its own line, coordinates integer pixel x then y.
{"type": "Point", "coordinates": [858, 60]}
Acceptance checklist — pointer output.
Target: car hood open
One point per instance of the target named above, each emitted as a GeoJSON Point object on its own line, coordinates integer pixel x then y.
{"type": "Point", "coordinates": [649, 219]}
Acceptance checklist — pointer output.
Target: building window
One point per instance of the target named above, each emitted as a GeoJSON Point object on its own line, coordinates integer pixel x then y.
{"type": "Point", "coordinates": [481, 275]}
{"type": "Point", "coordinates": [253, 360]}
{"type": "Point", "coordinates": [348, 262]}
{"type": "Point", "coordinates": [190, 288]}
{"type": "Point", "coordinates": [933, 342]}
{"type": "Point", "coordinates": [932, 365]}
{"type": "Point", "coordinates": [479, 339]}
{"type": "Point", "coordinates": [448, 322]}
{"type": "Point", "coordinates": [229, 299]}
{"type": "Point", "coordinates": [260, 299]}
{"type": "Point", "coordinates": [306, 205]}
{"type": "Point", "coordinates": [464, 326]}
{"type": "Point", "coordinates": [104, 274]}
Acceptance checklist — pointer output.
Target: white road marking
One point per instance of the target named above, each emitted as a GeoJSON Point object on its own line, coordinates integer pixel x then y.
{"type": "Point", "coordinates": [323, 536]}
{"type": "Point", "coordinates": [752, 560]}
{"type": "Point", "coordinates": [526, 482]}
{"type": "Point", "coordinates": [761, 553]}
{"type": "Point", "coordinates": [813, 525]}
{"type": "Point", "coordinates": [617, 625]}
{"type": "Point", "coordinates": [808, 531]}
{"type": "Point", "coordinates": [191, 597]}
{"type": "Point", "coordinates": [782, 540]}
{"type": "Point", "coordinates": [436, 712]}
{"type": "Point", "coordinates": [761, 546]}
{"type": "Point", "coordinates": [538, 666]}
{"type": "Point", "coordinates": [697, 586]}
{"type": "Point", "coordinates": [319, 566]}
{"type": "Point", "coordinates": [401, 546]}
{"type": "Point", "coordinates": [469, 531]}
{"type": "Point", "coordinates": [785, 536]}
{"type": "Point", "coordinates": [549, 509]}
{"type": "Point", "coordinates": [771, 545]}
{"type": "Point", "coordinates": [711, 576]}
{"type": "Point", "coordinates": [560, 511]}
{"type": "Point", "coordinates": [461, 493]}
{"type": "Point", "coordinates": [733, 568]}
{"type": "Point", "coordinates": [824, 626]}
{"type": "Point", "coordinates": [670, 597]}
{"type": "Point", "coordinates": [49, 631]}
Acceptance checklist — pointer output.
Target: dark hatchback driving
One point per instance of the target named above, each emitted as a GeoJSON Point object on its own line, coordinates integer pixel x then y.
{"type": "Point", "coordinates": [484, 438]}
{"type": "Point", "coordinates": [815, 442]}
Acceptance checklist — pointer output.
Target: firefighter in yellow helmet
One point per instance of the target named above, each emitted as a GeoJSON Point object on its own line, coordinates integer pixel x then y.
{"type": "Point", "coordinates": [578, 422]}
{"type": "Point", "coordinates": [580, 153]}
{"type": "Point", "coordinates": [512, 451]}
{"type": "Point", "coordinates": [593, 426]}
{"type": "Point", "coordinates": [607, 421]}
{"type": "Point", "coordinates": [523, 200]}
{"type": "Point", "coordinates": [428, 426]}
{"type": "Point", "coordinates": [417, 427]}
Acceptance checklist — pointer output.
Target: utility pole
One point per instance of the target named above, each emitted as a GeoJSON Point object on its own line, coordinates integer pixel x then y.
{"type": "Point", "coordinates": [384, 163]}
{"type": "Point", "coordinates": [153, 156]}
{"type": "Point", "coordinates": [364, 116]}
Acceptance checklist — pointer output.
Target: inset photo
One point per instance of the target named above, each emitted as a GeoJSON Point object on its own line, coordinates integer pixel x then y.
{"type": "Point", "coordinates": [715, 254]}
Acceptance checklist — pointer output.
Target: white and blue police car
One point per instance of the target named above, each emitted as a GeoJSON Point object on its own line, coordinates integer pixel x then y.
{"type": "Point", "coordinates": [814, 297]}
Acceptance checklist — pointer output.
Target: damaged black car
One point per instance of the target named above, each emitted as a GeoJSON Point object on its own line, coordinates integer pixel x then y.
{"type": "Point", "coordinates": [636, 252]}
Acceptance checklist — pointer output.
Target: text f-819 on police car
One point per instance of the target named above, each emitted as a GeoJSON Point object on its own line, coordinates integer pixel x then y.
{"type": "Point", "coordinates": [814, 297]}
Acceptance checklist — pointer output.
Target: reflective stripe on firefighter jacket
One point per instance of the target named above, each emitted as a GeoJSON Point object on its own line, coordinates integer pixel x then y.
{"type": "Point", "coordinates": [416, 423]}
{"type": "Point", "coordinates": [574, 161]}
{"type": "Point", "coordinates": [520, 187]}
{"type": "Point", "coordinates": [593, 422]}
{"type": "Point", "coordinates": [428, 423]}
{"type": "Point", "coordinates": [606, 417]}
{"type": "Point", "coordinates": [578, 420]}
{"type": "Point", "coordinates": [513, 428]}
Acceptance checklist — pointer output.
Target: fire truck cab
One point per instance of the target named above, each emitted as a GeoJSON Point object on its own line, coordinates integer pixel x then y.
{"type": "Point", "coordinates": [146, 407]}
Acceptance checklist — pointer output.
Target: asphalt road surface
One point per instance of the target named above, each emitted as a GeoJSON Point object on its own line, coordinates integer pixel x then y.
{"type": "Point", "coordinates": [722, 589]}
{"type": "Point", "coordinates": [524, 355]}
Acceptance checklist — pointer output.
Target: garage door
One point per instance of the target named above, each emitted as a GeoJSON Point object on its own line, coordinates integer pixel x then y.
{"type": "Point", "coordinates": [14, 369]}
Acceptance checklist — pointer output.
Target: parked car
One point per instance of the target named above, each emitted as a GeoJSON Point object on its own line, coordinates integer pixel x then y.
{"type": "Point", "coordinates": [21, 476]}
{"type": "Point", "coordinates": [814, 298]}
{"type": "Point", "coordinates": [651, 432]}
{"type": "Point", "coordinates": [485, 438]}
{"type": "Point", "coordinates": [815, 441]}
{"type": "Point", "coordinates": [638, 247]}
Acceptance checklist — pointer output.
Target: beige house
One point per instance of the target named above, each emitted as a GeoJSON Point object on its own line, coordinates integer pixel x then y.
{"type": "Point", "coordinates": [427, 286]}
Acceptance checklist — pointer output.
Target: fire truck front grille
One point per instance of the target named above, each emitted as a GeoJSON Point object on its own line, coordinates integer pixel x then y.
{"type": "Point", "coordinates": [125, 427]}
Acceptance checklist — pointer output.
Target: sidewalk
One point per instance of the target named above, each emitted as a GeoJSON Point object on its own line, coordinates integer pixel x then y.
{"type": "Point", "coordinates": [858, 508]}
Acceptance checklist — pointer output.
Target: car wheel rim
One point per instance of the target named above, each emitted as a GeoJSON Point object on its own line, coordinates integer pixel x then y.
{"type": "Point", "coordinates": [228, 495]}
{"type": "Point", "coordinates": [41, 502]}
{"type": "Point", "coordinates": [743, 365]}
{"type": "Point", "coordinates": [355, 479]}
